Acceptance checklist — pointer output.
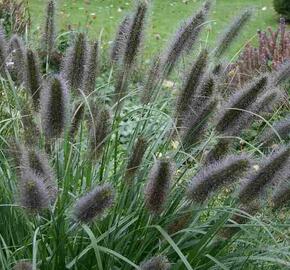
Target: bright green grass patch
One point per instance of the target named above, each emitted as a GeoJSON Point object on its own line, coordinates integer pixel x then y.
{"type": "Point", "coordinates": [98, 16]}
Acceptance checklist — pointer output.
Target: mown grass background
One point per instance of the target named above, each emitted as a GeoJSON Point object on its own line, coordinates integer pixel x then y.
{"type": "Point", "coordinates": [104, 15]}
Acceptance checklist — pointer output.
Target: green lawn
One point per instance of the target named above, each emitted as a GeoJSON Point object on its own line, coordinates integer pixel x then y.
{"type": "Point", "coordinates": [97, 15]}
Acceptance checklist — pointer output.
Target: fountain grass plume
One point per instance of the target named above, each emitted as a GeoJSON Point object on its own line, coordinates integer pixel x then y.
{"type": "Point", "coordinates": [37, 162]}
{"type": "Point", "coordinates": [184, 100]}
{"type": "Point", "coordinates": [281, 196]}
{"type": "Point", "coordinates": [185, 38]}
{"type": "Point", "coordinates": [54, 107]}
{"type": "Point", "coordinates": [282, 74]}
{"type": "Point", "coordinates": [33, 194]}
{"type": "Point", "coordinates": [94, 204]}
{"type": "Point", "coordinates": [33, 77]}
{"type": "Point", "coordinates": [219, 151]}
{"type": "Point", "coordinates": [230, 110]}
{"type": "Point", "coordinates": [135, 159]}
{"type": "Point", "coordinates": [232, 32]}
{"type": "Point", "coordinates": [99, 130]}
{"type": "Point", "coordinates": [3, 52]}
{"type": "Point", "coordinates": [204, 92]}
{"type": "Point", "coordinates": [154, 77]}
{"type": "Point", "coordinates": [135, 34]}
{"type": "Point", "coordinates": [17, 55]}
{"type": "Point", "coordinates": [73, 66]}
{"type": "Point", "coordinates": [77, 119]}
{"type": "Point", "coordinates": [48, 35]}
{"type": "Point", "coordinates": [271, 171]}
{"type": "Point", "coordinates": [195, 126]}
{"type": "Point", "coordinates": [23, 265]}
{"type": "Point", "coordinates": [91, 69]}
{"type": "Point", "coordinates": [158, 184]}
{"type": "Point", "coordinates": [156, 263]}
{"type": "Point", "coordinates": [281, 127]}
{"type": "Point", "coordinates": [216, 175]}
{"type": "Point", "coordinates": [264, 104]}
{"type": "Point", "coordinates": [118, 46]}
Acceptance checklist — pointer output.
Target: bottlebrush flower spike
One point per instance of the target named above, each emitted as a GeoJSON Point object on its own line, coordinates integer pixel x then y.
{"type": "Point", "coordinates": [156, 263]}
{"type": "Point", "coordinates": [77, 118]}
{"type": "Point", "coordinates": [94, 204]}
{"type": "Point", "coordinates": [17, 55]}
{"type": "Point", "coordinates": [185, 38]}
{"type": "Point", "coordinates": [188, 91]}
{"type": "Point", "coordinates": [271, 171]}
{"type": "Point", "coordinates": [118, 47]}
{"type": "Point", "coordinates": [91, 69]}
{"type": "Point", "coordinates": [135, 34]}
{"type": "Point", "coordinates": [54, 107]}
{"type": "Point", "coordinates": [135, 159]}
{"type": "Point", "coordinates": [32, 77]}
{"type": "Point", "coordinates": [37, 162]}
{"type": "Point", "coordinates": [232, 32]}
{"type": "Point", "coordinates": [216, 175]}
{"type": "Point", "coordinates": [74, 63]}
{"type": "Point", "coordinates": [264, 104]}
{"type": "Point", "coordinates": [3, 52]}
{"type": "Point", "coordinates": [48, 35]}
{"type": "Point", "coordinates": [281, 128]}
{"type": "Point", "coordinates": [219, 151]}
{"type": "Point", "coordinates": [159, 181]}
{"type": "Point", "coordinates": [242, 99]}
{"type": "Point", "coordinates": [99, 130]}
{"type": "Point", "coordinates": [33, 192]}
{"type": "Point", "coordinates": [23, 266]}
{"type": "Point", "coordinates": [195, 126]}
{"type": "Point", "coordinates": [281, 196]}
{"type": "Point", "coordinates": [203, 94]}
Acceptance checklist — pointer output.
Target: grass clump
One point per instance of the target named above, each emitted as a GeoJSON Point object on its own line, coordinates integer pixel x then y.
{"type": "Point", "coordinates": [163, 198]}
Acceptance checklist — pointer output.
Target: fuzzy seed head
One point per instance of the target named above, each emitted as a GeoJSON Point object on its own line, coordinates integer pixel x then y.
{"type": "Point", "coordinates": [195, 125]}
{"type": "Point", "coordinates": [185, 38]}
{"type": "Point", "coordinates": [91, 69]}
{"type": "Point", "coordinates": [159, 181]}
{"type": "Point", "coordinates": [281, 127]}
{"type": "Point", "coordinates": [3, 52]}
{"type": "Point", "coordinates": [241, 100]}
{"type": "Point", "coordinates": [232, 32]}
{"type": "Point", "coordinates": [216, 175]}
{"type": "Point", "coordinates": [281, 197]}
{"type": "Point", "coordinates": [22, 266]}
{"type": "Point", "coordinates": [118, 47]}
{"type": "Point", "coordinates": [48, 35]}
{"type": "Point", "coordinates": [17, 58]}
{"type": "Point", "coordinates": [38, 163]}
{"type": "Point", "coordinates": [100, 129]}
{"type": "Point", "coordinates": [156, 263]}
{"type": "Point", "coordinates": [77, 119]}
{"type": "Point", "coordinates": [188, 92]}
{"type": "Point", "coordinates": [94, 204]}
{"type": "Point", "coordinates": [219, 151]}
{"type": "Point", "coordinates": [32, 77]}
{"type": "Point", "coordinates": [33, 193]}
{"type": "Point", "coordinates": [74, 63]}
{"type": "Point", "coordinates": [264, 104]}
{"type": "Point", "coordinates": [136, 158]}
{"type": "Point", "coordinates": [54, 107]}
{"type": "Point", "coordinates": [271, 171]}
{"type": "Point", "coordinates": [135, 34]}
